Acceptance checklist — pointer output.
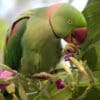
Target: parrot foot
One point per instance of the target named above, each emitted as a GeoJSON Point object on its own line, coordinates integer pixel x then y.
{"type": "Point", "coordinates": [70, 47]}
{"type": "Point", "coordinates": [43, 76]}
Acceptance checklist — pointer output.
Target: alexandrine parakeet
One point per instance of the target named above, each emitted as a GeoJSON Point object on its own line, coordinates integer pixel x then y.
{"type": "Point", "coordinates": [33, 43]}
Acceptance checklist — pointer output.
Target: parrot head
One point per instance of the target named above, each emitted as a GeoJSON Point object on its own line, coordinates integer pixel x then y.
{"type": "Point", "coordinates": [68, 23]}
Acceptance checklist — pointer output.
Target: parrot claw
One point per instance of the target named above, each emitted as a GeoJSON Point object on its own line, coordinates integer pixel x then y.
{"type": "Point", "coordinates": [70, 47]}
{"type": "Point", "coordinates": [43, 76]}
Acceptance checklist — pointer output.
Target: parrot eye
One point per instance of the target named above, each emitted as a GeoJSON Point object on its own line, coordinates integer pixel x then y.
{"type": "Point", "coordinates": [69, 21]}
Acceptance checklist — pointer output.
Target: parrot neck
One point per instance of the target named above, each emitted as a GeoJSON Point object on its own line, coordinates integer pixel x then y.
{"type": "Point", "coordinates": [49, 14]}
{"type": "Point", "coordinates": [55, 34]}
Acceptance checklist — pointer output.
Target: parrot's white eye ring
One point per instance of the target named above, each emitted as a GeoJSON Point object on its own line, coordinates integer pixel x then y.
{"type": "Point", "coordinates": [69, 21]}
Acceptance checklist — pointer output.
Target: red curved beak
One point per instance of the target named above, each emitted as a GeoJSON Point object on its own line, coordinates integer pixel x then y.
{"type": "Point", "coordinates": [78, 34]}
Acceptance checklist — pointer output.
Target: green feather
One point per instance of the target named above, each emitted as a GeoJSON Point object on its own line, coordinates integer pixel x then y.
{"type": "Point", "coordinates": [13, 49]}
{"type": "Point", "coordinates": [40, 46]}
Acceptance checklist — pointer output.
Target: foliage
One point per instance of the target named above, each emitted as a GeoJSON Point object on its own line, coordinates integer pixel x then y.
{"type": "Point", "coordinates": [91, 47]}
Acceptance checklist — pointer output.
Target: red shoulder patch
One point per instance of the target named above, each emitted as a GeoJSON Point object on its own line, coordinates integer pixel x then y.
{"type": "Point", "coordinates": [15, 28]}
{"type": "Point", "coordinates": [13, 31]}
{"type": "Point", "coordinates": [52, 10]}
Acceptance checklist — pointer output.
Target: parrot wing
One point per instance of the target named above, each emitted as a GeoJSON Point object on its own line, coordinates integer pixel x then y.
{"type": "Point", "coordinates": [13, 50]}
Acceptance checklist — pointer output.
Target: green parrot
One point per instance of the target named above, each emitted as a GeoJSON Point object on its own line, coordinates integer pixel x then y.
{"type": "Point", "coordinates": [33, 41]}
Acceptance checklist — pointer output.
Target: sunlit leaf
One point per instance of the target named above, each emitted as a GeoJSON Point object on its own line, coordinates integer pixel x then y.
{"type": "Point", "coordinates": [92, 45]}
{"type": "Point", "coordinates": [2, 97]}
{"type": "Point", "coordinates": [22, 92]}
{"type": "Point", "coordinates": [15, 97]}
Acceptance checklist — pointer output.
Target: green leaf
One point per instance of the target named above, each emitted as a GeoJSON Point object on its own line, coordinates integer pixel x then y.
{"type": "Point", "coordinates": [15, 97]}
{"type": "Point", "coordinates": [22, 92]}
{"type": "Point", "coordinates": [69, 94]}
{"type": "Point", "coordinates": [2, 97]}
{"type": "Point", "coordinates": [91, 47]}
